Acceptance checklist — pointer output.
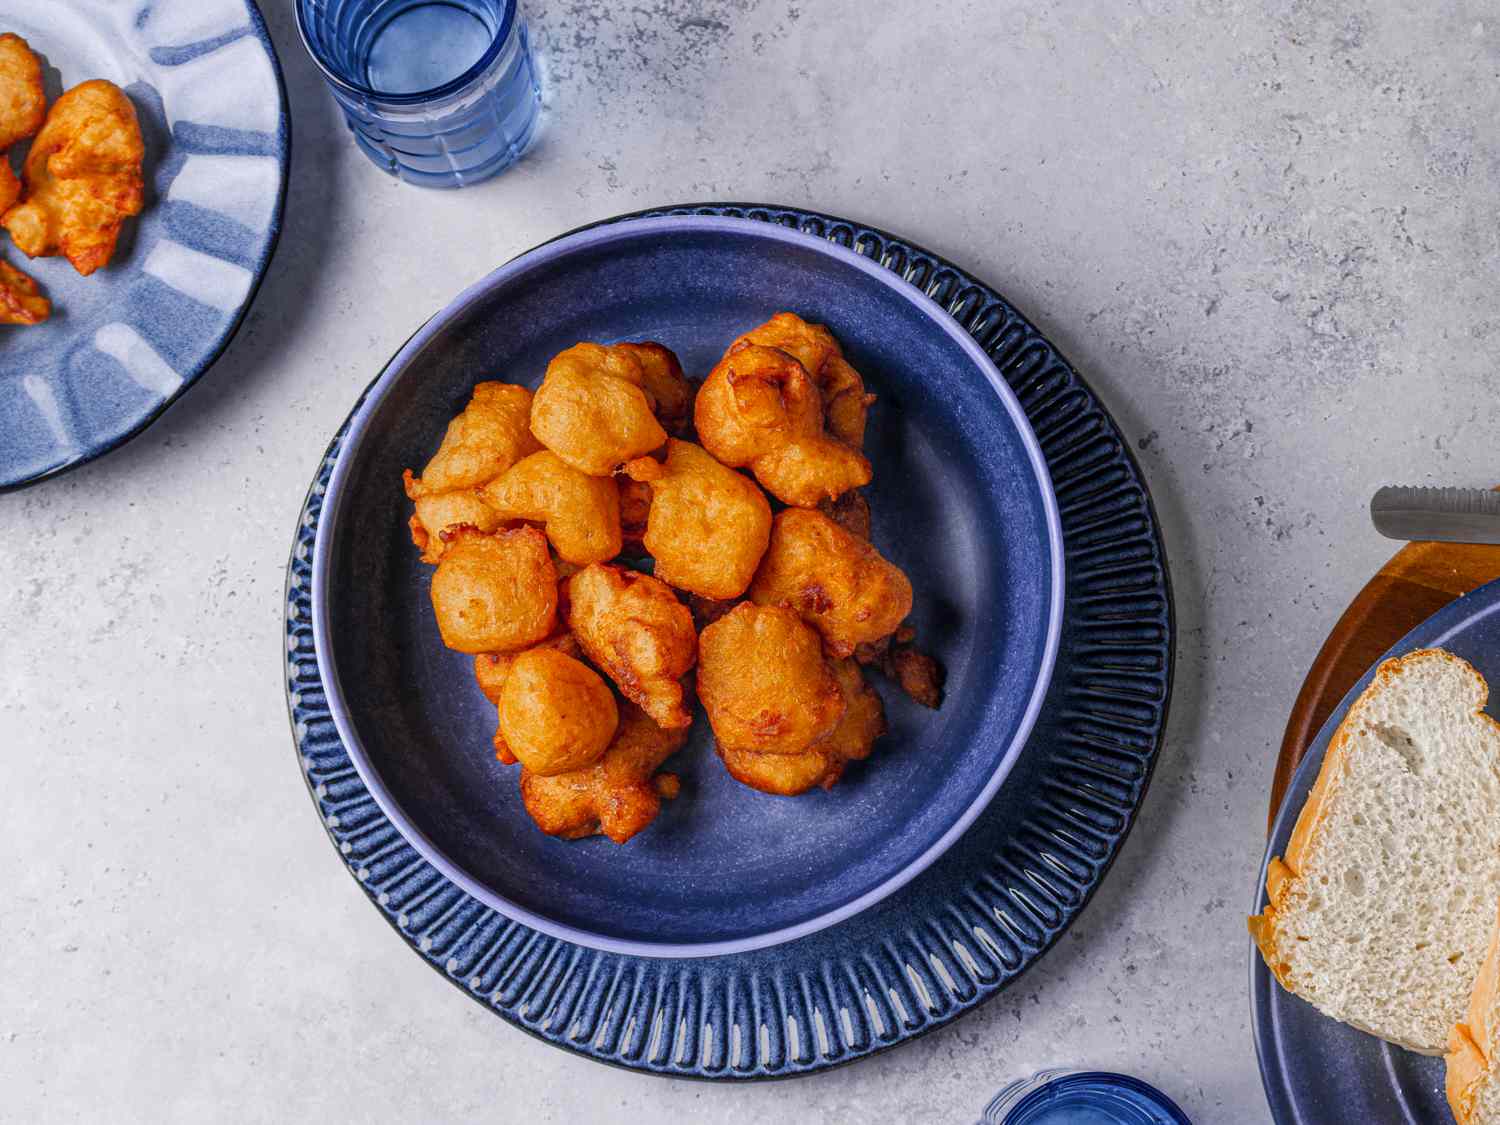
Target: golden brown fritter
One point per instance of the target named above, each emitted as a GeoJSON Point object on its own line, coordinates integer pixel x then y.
{"type": "Point", "coordinates": [23, 105]}
{"type": "Point", "coordinates": [492, 669]}
{"type": "Point", "coordinates": [634, 628]}
{"type": "Point", "coordinates": [556, 714]}
{"type": "Point", "coordinates": [581, 514]}
{"type": "Point", "coordinates": [764, 683]}
{"type": "Point", "coordinates": [781, 775]}
{"type": "Point", "coordinates": [787, 775]}
{"type": "Point", "coordinates": [753, 400]}
{"type": "Point", "coordinates": [838, 584]}
{"type": "Point", "coordinates": [443, 513]}
{"type": "Point", "coordinates": [487, 438]}
{"type": "Point", "coordinates": [667, 389]}
{"type": "Point", "coordinates": [495, 592]}
{"type": "Point", "coordinates": [635, 510]}
{"type": "Point", "coordinates": [21, 301]}
{"type": "Point", "coordinates": [82, 178]}
{"type": "Point", "coordinates": [708, 525]}
{"type": "Point", "coordinates": [481, 443]}
{"type": "Point", "coordinates": [760, 408]}
{"type": "Point", "coordinates": [864, 716]}
{"type": "Point", "coordinates": [845, 403]}
{"type": "Point", "coordinates": [593, 410]}
{"type": "Point", "coordinates": [618, 795]}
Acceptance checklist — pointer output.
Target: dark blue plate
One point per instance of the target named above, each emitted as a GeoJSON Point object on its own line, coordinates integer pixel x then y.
{"type": "Point", "coordinates": [1316, 1069]}
{"type": "Point", "coordinates": [961, 501]}
{"type": "Point", "coordinates": [122, 344]}
{"type": "Point", "coordinates": [955, 935]}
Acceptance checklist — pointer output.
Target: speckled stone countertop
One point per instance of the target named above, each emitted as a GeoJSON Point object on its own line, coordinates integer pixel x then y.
{"type": "Point", "coordinates": [1269, 235]}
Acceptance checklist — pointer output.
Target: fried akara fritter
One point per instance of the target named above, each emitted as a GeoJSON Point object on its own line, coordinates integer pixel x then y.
{"type": "Point", "coordinates": [492, 669]}
{"type": "Point", "coordinates": [635, 510]}
{"type": "Point", "coordinates": [487, 438]}
{"type": "Point", "coordinates": [760, 409]}
{"type": "Point", "coordinates": [598, 404]}
{"type": "Point", "coordinates": [840, 585]}
{"type": "Point", "coordinates": [822, 764]}
{"type": "Point", "coordinates": [434, 518]}
{"type": "Point", "coordinates": [580, 513]}
{"type": "Point", "coordinates": [556, 714]}
{"type": "Point", "coordinates": [481, 443]}
{"type": "Point", "coordinates": [495, 592]}
{"type": "Point", "coordinates": [666, 387]}
{"type": "Point", "coordinates": [842, 389]}
{"type": "Point", "coordinates": [23, 108]}
{"type": "Point", "coordinates": [21, 301]}
{"type": "Point", "coordinates": [23, 104]}
{"type": "Point", "coordinates": [764, 683]}
{"type": "Point", "coordinates": [82, 178]}
{"type": "Point", "coordinates": [707, 527]}
{"type": "Point", "coordinates": [618, 795]}
{"type": "Point", "coordinates": [633, 627]}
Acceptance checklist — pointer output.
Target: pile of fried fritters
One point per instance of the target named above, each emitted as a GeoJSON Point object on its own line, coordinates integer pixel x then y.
{"type": "Point", "coordinates": [532, 501]}
{"type": "Point", "coordinates": [82, 176]}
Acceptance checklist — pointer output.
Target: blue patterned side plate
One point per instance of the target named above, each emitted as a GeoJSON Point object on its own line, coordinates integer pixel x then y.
{"type": "Point", "coordinates": [956, 934]}
{"type": "Point", "coordinates": [1316, 1069]}
{"type": "Point", "coordinates": [125, 342]}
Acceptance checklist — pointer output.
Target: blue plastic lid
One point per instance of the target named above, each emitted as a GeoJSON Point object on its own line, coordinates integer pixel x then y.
{"type": "Point", "coordinates": [1092, 1098]}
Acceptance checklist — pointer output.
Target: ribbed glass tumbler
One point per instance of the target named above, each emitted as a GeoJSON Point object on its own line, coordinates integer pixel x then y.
{"type": "Point", "coordinates": [441, 94]}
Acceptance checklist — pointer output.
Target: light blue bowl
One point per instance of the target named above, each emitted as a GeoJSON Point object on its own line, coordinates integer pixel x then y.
{"type": "Point", "coordinates": [961, 500]}
{"type": "Point", "coordinates": [122, 344]}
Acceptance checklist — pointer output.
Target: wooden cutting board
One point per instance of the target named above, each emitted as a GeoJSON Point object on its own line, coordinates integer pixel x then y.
{"type": "Point", "coordinates": [1415, 584]}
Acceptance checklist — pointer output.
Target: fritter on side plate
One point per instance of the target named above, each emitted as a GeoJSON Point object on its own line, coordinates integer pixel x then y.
{"type": "Point", "coordinates": [82, 178]}
{"type": "Point", "coordinates": [21, 301]}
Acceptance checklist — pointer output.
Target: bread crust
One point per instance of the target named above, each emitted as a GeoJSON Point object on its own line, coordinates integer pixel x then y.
{"type": "Point", "coordinates": [1467, 1063]}
{"type": "Point", "coordinates": [1283, 871]}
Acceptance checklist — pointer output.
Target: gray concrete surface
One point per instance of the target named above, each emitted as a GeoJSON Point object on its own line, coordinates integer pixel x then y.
{"type": "Point", "coordinates": [1268, 234]}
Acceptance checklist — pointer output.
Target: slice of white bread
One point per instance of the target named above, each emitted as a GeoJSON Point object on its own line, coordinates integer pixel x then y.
{"type": "Point", "coordinates": [1473, 1078]}
{"type": "Point", "coordinates": [1381, 909]}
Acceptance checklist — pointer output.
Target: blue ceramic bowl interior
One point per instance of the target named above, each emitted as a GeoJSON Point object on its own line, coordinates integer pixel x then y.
{"type": "Point", "coordinates": [961, 501]}
{"type": "Point", "coordinates": [1314, 1068]}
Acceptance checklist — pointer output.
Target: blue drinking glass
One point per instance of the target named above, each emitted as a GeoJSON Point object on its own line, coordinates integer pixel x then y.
{"type": "Point", "coordinates": [1074, 1097]}
{"type": "Point", "coordinates": [440, 93]}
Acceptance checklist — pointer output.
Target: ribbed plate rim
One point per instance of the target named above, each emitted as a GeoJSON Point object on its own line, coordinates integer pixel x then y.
{"type": "Point", "coordinates": [529, 979]}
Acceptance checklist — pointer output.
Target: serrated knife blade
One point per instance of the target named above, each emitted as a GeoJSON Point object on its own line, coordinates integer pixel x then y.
{"type": "Point", "coordinates": [1447, 515]}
